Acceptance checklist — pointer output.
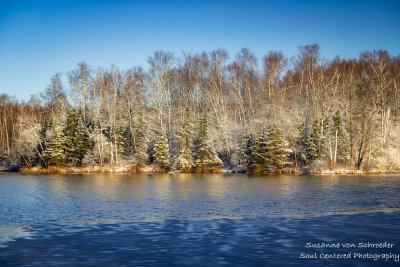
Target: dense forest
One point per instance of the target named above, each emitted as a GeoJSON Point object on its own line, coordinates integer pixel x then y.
{"type": "Point", "coordinates": [206, 111]}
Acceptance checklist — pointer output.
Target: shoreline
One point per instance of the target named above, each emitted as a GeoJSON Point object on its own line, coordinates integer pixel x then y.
{"type": "Point", "coordinates": [151, 169]}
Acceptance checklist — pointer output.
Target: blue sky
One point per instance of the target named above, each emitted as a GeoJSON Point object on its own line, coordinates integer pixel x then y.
{"type": "Point", "coordinates": [40, 38]}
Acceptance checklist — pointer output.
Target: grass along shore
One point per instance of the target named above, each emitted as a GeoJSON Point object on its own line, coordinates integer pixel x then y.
{"type": "Point", "coordinates": [156, 169]}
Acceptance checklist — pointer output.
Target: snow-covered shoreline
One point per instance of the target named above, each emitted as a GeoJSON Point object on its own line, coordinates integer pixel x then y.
{"type": "Point", "coordinates": [234, 169]}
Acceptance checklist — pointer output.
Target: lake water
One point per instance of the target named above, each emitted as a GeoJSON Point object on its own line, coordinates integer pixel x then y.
{"type": "Point", "coordinates": [199, 220]}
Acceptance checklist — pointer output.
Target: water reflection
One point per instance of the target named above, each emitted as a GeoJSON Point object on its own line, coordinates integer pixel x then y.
{"type": "Point", "coordinates": [96, 198]}
{"type": "Point", "coordinates": [9, 233]}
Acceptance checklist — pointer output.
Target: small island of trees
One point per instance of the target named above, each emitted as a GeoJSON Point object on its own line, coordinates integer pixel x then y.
{"type": "Point", "coordinates": [205, 112]}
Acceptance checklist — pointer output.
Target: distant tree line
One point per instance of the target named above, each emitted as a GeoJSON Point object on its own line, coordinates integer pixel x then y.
{"type": "Point", "coordinates": [205, 111]}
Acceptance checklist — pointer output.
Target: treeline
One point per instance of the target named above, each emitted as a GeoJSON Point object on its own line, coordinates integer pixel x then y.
{"type": "Point", "coordinates": [205, 111]}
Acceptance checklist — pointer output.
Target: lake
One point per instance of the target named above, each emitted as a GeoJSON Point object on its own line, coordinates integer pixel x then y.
{"type": "Point", "coordinates": [199, 220]}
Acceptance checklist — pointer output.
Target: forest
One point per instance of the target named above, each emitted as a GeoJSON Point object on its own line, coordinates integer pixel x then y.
{"type": "Point", "coordinates": [207, 111]}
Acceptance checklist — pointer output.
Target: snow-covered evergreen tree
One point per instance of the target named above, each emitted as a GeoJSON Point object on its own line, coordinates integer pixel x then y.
{"type": "Point", "coordinates": [119, 126]}
{"type": "Point", "coordinates": [81, 141]}
{"type": "Point", "coordinates": [141, 155]}
{"type": "Point", "coordinates": [184, 160]}
{"type": "Point", "coordinates": [258, 159]}
{"type": "Point", "coordinates": [161, 151]}
{"type": "Point", "coordinates": [206, 157]}
{"type": "Point", "coordinates": [247, 150]}
{"type": "Point", "coordinates": [315, 142]}
{"type": "Point", "coordinates": [298, 142]}
{"type": "Point", "coordinates": [77, 140]}
{"type": "Point", "coordinates": [269, 149]}
{"type": "Point", "coordinates": [275, 147]}
{"type": "Point", "coordinates": [69, 132]}
{"type": "Point", "coordinates": [55, 145]}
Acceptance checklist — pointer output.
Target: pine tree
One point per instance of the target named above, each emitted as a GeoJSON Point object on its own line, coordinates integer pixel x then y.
{"type": "Point", "coordinates": [258, 160]}
{"type": "Point", "coordinates": [81, 141]}
{"type": "Point", "coordinates": [141, 156]}
{"type": "Point", "coordinates": [269, 149]}
{"type": "Point", "coordinates": [77, 140]}
{"type": "Point", "coordinates": [120, 126]}
{"type": "Point", "coordinates": [206, 157]}
{"type": "Point", "coordinates": [184, 160]}
{"type": "Point", "coordinates": [69, 132]}
{"type": "Point", "coordinates": [275, 147]}
{"type": "Point", "coordinates": [161, 152]}
{"type": "Point", "coordinates": [314, 142]}
{"type": "Point", "coordinates": [247, 150]}
{"type": "Point", "coordinates": [55, 147]}
{"type": "Point", "coordinates": [298, 142]}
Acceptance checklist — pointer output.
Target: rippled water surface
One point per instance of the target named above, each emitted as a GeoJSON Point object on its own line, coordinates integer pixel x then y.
{"type": "Point", "coordinates": [192, 219]}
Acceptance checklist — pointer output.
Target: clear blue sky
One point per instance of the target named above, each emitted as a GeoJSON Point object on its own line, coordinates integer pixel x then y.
{"type": "Point", "coordinates": [39, 38]}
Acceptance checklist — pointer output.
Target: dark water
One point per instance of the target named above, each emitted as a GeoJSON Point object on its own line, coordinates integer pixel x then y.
{"type": "Point", "coordinates": [201, 220]}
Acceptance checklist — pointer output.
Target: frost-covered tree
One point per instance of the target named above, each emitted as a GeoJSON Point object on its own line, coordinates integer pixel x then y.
{"type": "Point", "coordinates": [82, 141]}
{"type": "Point", "coordinates": [161, 151]}
{"type": "Point", "coordinates": [247, 150]}
{"type": "Point", "coordinates": [276, 147]}
{"type": "Point", "coordinates": [184, 159]}
{"type": "Point", "coordinates": [99, 153]}
{"type": "Point", "coordinates": [206, 157]}
{"type": "Point", "coordinates": [28, 141]}
{"type": "Point", "coordinates": [298, 142]}
{"type": "Point", "coordinates": [240, 94]}
{"type": "Point", "coordinates": [141, 155]}
{"type": "Point", "coordinates": [77, 140]}
{"type": "Point", "coordinates": [269, 149]}
{"type": "Point", "coordinates": [338, 141]}
{"type": "Point", "coordinates": [69, 132]}
{"type": "Point", "coordinates": [315, 142]}
{"type": "Point", "coordinates": [259, 157]}
{"type": "Point", "coordinates": [55, 145]}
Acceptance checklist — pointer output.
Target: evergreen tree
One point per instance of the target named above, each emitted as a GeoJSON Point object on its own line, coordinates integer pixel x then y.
{"type": "Point", "coordinates": [55, 147]}
{"type": "Point", "coordinates": [69, 132]}
{"type": "Point", "coordinates": [120, 126]}
{"type": "Point", "coordinates": [275, 147]}
{"type": "Point", "coordinates": [269, 149]}
{"type": "Point", "coordinates": [81, 141]}
{"type": "Point", "coordinates": [298, 142]}
{"type": "Point", "coordinates": [77, 140]}
{"type": "Point", "coordinates": [161, 152]}
{"type": "Point", "coordinates": [247, 150]}
{"type": "Point", "coordinates": [314, 142]}
{"type": "Point", "coordinates": [184, 160]}
{"type": "Point", "coordinates": [140, 141]}
{"type": "Point", "coordinates": [206, 157]}
{"type": "Point", "coordinates": [258, 159]}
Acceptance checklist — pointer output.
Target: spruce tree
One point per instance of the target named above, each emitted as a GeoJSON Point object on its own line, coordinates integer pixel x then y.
{"type": "Point", "coordinates": [258, 159]}
{"type": "Point", "coordinates": [269, 149]}
{"type": "Point", "coordinates": [314, 142]}
{"type": "Point", "coordinates": [77, 140]}
{"type": "Point", "coordinates": [247, 150]}
{"type": "Point", "coordinates": [161, 151]}
{"type": "Point", "coordinates": [184, 160]}
{"type": "Point", "coordinates": [69, 132]}
{"type": "Point", "coordinates": [298, 142]}
{"type": "Point", "coordinates": [140, 130]}
{"type": "Point", "coordinates": [275, 147]}
{"type": "Point", "coordinates": [55, 147]}
{"type": "Point", "coordinates": [120, 126]}
{"type": "Point", "coordinates": [81, 141]}
{"type": "Point", "coordinates": [206, 157]}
